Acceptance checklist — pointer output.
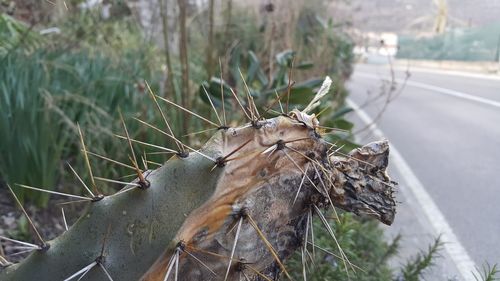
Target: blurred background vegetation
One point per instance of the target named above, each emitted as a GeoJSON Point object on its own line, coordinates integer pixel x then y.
{"type": "Point", "coordinates": [65, 64]}
{"type": "Point", "coordinates": [473, 44]}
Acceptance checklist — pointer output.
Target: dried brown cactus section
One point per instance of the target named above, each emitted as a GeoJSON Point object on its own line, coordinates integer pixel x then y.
{"type": "Point", "coordinates": [281, 174]}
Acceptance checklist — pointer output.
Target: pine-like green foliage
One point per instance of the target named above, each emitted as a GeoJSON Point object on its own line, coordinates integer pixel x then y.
{"type": "Point", "coordinates": [488, 273]}
{"type": "Point", "coordinates": [362, 242]}
{"type": "Point", "coordinates": [415, 267]}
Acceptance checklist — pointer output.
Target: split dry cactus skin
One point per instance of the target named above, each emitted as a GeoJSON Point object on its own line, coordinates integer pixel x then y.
{"type": "Point", "coordinates": [234, 210]}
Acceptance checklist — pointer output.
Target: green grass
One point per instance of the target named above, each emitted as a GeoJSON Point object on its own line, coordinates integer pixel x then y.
{"type": "Point", "coordinates": [44, 95]}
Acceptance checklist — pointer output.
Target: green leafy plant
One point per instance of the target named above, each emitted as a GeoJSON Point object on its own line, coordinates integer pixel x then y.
{"type": "Point", "coordinates": [278, 92]}
{"type": "Point", "coordinates": [261, 87]}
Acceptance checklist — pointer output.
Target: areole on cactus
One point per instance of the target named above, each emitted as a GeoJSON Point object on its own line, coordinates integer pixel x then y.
{"type": "Point", "coordinates": [235, 209]}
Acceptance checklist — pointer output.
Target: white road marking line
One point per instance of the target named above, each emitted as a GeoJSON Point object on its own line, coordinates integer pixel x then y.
{"type": "Point", "coordinates": [452, 245]}
{"type": "Point", "coordinates": [436, 89]}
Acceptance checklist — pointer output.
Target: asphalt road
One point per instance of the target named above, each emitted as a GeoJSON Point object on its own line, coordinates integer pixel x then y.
{"type": "Point", "coordinates": [447, 128]}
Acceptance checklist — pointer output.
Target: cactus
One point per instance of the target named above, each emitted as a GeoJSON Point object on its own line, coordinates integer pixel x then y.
{"type": "Point", "coordinates": [235, 209]}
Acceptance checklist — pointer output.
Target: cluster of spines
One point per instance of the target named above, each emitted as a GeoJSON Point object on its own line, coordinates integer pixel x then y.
{"type": "Point", "coordinates": [252, 113]}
